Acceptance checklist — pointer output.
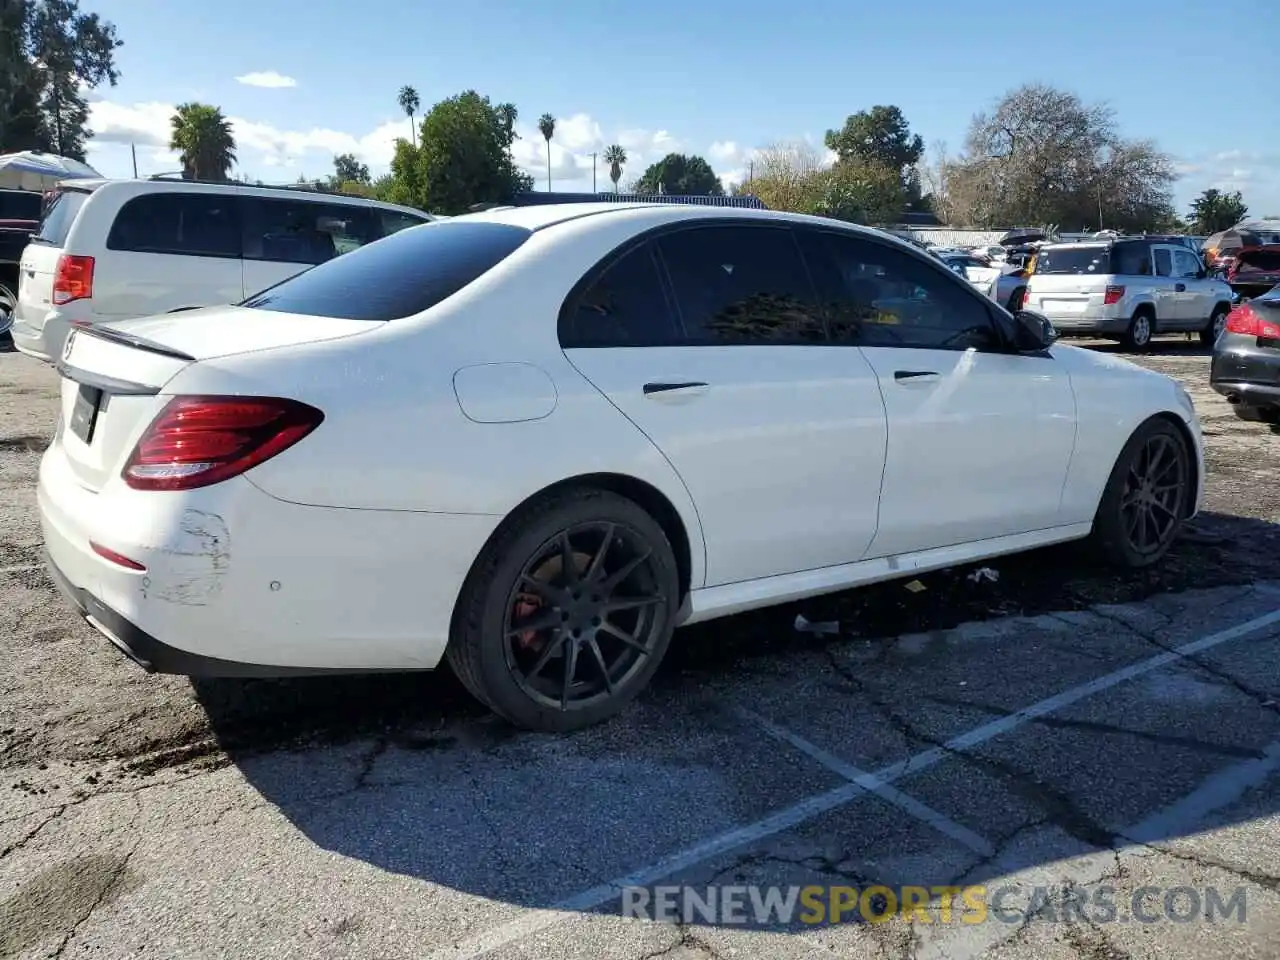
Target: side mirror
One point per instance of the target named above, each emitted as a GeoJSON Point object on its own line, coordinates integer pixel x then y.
{"type": "Point", "coordinates": [1034, 331]}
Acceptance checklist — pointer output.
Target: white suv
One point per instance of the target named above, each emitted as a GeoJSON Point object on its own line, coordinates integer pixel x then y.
{"type": "Point", "coordinates": [1127, 289]}
{"type": "Point", "coordinates": [114, 249]}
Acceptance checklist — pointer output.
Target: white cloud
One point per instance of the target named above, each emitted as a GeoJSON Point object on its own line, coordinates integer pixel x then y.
{"type": "Point", "coordinates": [267, 78]}
{"type": "Point", "coordinates": [263, 148]}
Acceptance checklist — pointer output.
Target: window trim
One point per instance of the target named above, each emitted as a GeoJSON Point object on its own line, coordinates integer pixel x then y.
{"type": "Point", "coordinates": [1003, 333]}
{"type": "Point", "coordinates": [233, 198]}
{"type": "Point", "coordinates": [652, 236]}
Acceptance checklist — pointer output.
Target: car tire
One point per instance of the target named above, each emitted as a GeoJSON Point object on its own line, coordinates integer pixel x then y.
{"type": "Point", "coordinates": [1151, 485]}
{"type": "Point", "coordinates": [1141, 329]}
{"type": "Point", "coordinates": [8, 302]}
{"type": "Point", "coordinates": [1217, 323]}
{"type": "Point", "coordinates": [1267, 415]}
{"type": "Point", "coordinates": [545, 651]}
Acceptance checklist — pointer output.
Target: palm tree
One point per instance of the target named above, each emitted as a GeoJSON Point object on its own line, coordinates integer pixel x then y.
{"type": "Point", "coordinates": [615, 157]}
{"type": "Point", "coordinates": [547, 124]}
{"type": "Point", "coordinates": [203, 138]}
{"type": "Point", "coordinates": [409, 103]}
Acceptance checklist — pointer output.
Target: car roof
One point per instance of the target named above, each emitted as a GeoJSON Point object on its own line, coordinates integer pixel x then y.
{"type": "Point", "coordinates": [542, 216]}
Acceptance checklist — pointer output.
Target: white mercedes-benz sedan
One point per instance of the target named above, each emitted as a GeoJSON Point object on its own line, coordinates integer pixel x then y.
{"type": "Point", "coordinates": [531, 442]}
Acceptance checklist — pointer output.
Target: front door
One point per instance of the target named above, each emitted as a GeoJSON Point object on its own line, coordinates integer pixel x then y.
{"type": "Point", "coordinates": [980, 437]}
{"type": "Point", "coordinates": [778, 435]}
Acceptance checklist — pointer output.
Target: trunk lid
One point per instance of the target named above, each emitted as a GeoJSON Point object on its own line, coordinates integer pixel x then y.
{"type": "Point", "coordinates": [114, 373]}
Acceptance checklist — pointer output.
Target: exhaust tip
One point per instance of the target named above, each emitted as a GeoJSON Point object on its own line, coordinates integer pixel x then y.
{"type": "Point", "coordinates": [1233, 398]}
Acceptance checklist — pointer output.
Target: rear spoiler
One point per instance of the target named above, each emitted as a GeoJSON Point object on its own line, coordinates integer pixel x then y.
{"type": "Point", "coordinates": [130, 340]}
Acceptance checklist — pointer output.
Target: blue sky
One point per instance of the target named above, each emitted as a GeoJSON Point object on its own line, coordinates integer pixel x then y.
{"type": "Point", "coordinates": [716, 78]}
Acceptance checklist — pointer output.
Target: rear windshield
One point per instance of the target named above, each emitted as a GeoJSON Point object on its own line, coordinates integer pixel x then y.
{"type": "Point", "coordinates": [1258, 261]}
{"type": "Point", "coordinates": [20, 205]}
{"type": "Point", "coordinates": [58, 218]}
{"type": "Point", "coordinates": [1077, 260]}
{"type": "Point", "coordinates": [408, 272]}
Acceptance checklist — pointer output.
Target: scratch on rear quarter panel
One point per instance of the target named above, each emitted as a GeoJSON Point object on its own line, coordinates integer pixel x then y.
{"type": "Point", "coordinates": [192, 567]}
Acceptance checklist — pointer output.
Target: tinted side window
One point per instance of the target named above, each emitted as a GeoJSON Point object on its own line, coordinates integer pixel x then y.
{"type": "Point", "coordinates": [302, 231]}
{"type": "Point", "coordinates": [393, 221]}
{"type": "Point", "coordinates": [1164, 262]}
{"type": "Point", "coordinates": [626, 306]}
{"type": "Point", "coordinates": [741, 284]}
{"type": "Point", "coordinates": [1132, 260]}
{"type": "Point", "coordinates": [186, 224]}
{"type": "Point", "coordinates": [396, 277]}
{"type": "Point", "coordinates": [878, 296]}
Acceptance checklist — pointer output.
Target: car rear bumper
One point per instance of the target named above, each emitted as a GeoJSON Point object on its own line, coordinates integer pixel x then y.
{"type": "Point", "coordinates": [1074, 325]}
{"type": "Point", "coordinates": [1245, 372]}
{"type": "Point", "coordinates": [44, 342]}
{"type": "Point", "coordinates": [238, 583]}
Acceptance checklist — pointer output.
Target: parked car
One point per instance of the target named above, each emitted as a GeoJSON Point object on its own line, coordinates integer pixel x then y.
{"type": "Point", "coordinates": [976, 271]}
{"type": "Point", "coordinates": [531, 441]}
{"type": "Point", "coordinates": [19, 216]}
{"type": "Point", "coordinates": [109, 250]}
{"type": "Point", "coordinates": [1127, 289]}
{"type": "Point", "coordinates": [1246, 359]}
{"type": "Point", "coordinates": [1255, 271]}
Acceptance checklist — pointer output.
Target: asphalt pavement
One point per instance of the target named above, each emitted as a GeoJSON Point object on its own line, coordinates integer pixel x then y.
{"type": "Point", "coordinates": [1057, 763]}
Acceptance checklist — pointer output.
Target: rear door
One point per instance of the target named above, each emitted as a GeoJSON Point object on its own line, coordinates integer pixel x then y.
{"type": "Point", "coordinates": [1168, 299]}
{"type": "Point", "coordinates": [39, 260]}
{"type": "Point", "coordinates": [777, 434]}
{"type": "Point", "coordinates": [167, 250]}
{"type": "Point", "coordinates": [283, 237]}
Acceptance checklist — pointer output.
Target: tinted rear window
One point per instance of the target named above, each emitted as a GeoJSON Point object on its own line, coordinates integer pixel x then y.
{"type": "Point", "coordinates": [58, 218]}
{"type": "Point", "coordinates": [1078, 260]}
{"type": "Point", "coordinates": [1257, 261]}
{"type": "Point", "coordinates": [20, 205]}
{"type": "Point", "coordinates": [408, 272]}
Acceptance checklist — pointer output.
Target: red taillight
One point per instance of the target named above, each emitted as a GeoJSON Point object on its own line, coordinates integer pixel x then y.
{"type": "Point", "coordinates": [198, 441]}
{"type": "Point", "coordinates": [1244, 319]}
{"type": "Point", "coordinates": [72, 279]}
{"type": "Point", "coordinates": [1113, 295]}
{"type": "Point", "coordinates": [119, 559]}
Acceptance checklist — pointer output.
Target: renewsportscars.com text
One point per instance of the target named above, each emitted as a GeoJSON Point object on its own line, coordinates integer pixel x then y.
{"type": "Point", "coordinates": [815, 904]}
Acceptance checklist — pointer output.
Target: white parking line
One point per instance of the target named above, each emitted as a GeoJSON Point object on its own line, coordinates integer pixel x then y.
{"type": "Point", "coordinates": [873, 784]}
{"type": "Point", "coordinates": [814, 806]}
{"type": "Point", "coordinates": [1218, 791]}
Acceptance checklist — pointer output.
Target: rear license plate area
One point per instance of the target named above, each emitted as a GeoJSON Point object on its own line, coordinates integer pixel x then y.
{"type": "Point", "coordinates": [84, 414]}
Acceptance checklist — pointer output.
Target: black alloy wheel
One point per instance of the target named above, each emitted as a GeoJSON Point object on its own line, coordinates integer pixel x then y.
{"type": "Point", "coordinates": [1147, 496]}
{"type": "Point", "coordinates": [584, 615]}
{"type": "Point", "coordinates": [567, 612]}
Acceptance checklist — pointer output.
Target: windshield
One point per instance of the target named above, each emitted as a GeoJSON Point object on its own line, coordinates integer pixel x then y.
{"type": "Point", "coordinates": [1077, 260]}
{"type": "Point", "coordinates": [390, 279]}
{"type": "Point", "coordinates": [58, 218]}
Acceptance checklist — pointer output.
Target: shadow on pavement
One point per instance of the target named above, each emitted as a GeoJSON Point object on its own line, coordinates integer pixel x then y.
{"type": "Point", "coordinates": [408, 774]}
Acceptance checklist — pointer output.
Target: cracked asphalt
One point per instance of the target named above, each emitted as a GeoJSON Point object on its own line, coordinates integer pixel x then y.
{"type": "Point", "coordinates": [1098, 757]}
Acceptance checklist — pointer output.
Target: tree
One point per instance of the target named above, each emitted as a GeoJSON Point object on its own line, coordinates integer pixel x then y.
{"type": "Point", "coordinates": [880, 137]}
{"type": "Point", "coordinates": [1042, 156]}
{"type": "Point", "coordinates": [463, 157]}
{"type": "Point", "coordinates": [347, 169]}
{"type": "Point", "coordinates": [50, 52]}
{"type": "Point", "coordinates": [1213, 211]}
{"type": "Point", "coordinates": [547, 127]}
{"type": "Point", "coordinates": [787, 176]}
{"type": "Point", "coordinates": [409, 103]}
{"type": "Point", "coordinates": [616, 158]}
{"type": "Point", "coordinates": [203, 138]}
{"type": "Point", "coordinates": [682, 175]}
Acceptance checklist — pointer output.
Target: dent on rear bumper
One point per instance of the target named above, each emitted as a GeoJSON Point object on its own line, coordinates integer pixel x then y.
{"type": "Point", "coordinates": [239, 583]}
